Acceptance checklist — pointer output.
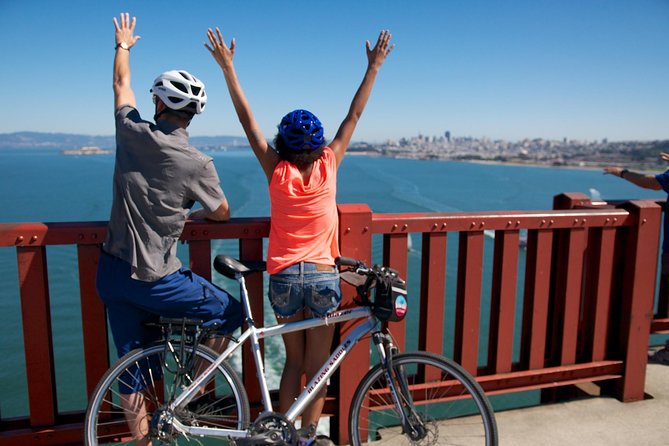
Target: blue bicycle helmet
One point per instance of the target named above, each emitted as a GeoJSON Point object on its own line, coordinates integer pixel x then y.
{"type": "Point", "coordinates": [301, 130]}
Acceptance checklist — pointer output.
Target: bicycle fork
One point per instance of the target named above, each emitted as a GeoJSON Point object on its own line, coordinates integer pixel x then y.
{"type": "Point", "coordinates": [412, 424]}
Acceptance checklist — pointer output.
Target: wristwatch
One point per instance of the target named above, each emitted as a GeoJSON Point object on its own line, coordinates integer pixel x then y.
{"type": "Point", "coordinates": [122, 45]}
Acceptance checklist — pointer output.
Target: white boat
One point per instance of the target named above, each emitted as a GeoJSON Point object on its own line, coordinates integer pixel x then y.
{"type": "Point", "coordinates": [86, 150]}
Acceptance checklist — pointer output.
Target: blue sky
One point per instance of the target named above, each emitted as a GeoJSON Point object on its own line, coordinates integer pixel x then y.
{"type": "Point", "coordinates": [580, 69]}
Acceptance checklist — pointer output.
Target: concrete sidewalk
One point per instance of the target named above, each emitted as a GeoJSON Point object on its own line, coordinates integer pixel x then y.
{"type": "Point", "coordinates": [597, 421]}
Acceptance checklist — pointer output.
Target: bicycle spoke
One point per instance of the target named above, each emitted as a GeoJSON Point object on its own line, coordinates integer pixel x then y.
{"type": "Point", "coordinates": [224, 402]}
{"type": "Point", "coordinates": [439, 404]}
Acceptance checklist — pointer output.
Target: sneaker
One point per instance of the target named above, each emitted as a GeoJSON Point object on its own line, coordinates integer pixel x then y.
{"type": "Point", "coordinates": [318, 440]}
{"type": "Point", "coordinates": [659, 357]}
{"type": "Point", "coordinates": [307, 435]}
{"type": "Point", "coordinates": [322, 440]}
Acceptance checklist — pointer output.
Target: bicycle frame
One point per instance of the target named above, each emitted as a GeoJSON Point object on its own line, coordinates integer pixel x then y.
{"type": "Point", "coordinates": [255, 334]}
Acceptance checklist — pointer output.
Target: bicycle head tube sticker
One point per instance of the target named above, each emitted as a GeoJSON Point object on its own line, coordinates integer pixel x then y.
{"type": "Point", "coordinates": [401, 306]}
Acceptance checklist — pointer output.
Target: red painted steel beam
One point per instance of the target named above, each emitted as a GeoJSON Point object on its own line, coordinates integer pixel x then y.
{"type": "Point", "coordinates": [502, 220]}
{"type": "Point", "coordinates": [395, 255]}
{"type": "Point", "coordinates": [37, 339]}
{"type": "Point", "coordinates": [199, 255]}
{"type": "Point", "coordinates": [355, 241]}
{"type": "Point", "coordinates": [637, 296]}
{"type": "Point", "coordinates": [503, 300]}
{"type": "Point", "coordinates": [432, 293]}
{"type": "Point", "coordinates": [93, 317]}
{"type": "Point", "coordinates": [551, 377]}
{"type": "Point", "coordinates": [468, 300]}
{"type": "Point", "coordinates": [72, 233]}
{"type": "Point", "coordinates": [581, 201]}
{"type": "Point", "coordinates": [568, 287]}
{"type": "Point", "coordinates": [236, 228]}
{"type": "Point", "coordinates": [252, 249]}
{"type": "Point", "coordinates": [597, 293]}
{"type": "Point", "coordinates": [536, 294]}
{"type": "Point", "coordinates": [660, 326]}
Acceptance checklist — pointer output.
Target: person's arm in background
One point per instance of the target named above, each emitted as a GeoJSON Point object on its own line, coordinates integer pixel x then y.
{"type": "Point", "coordinates": [223, 55]}
{"type": "Point", "coordinates": [125, 39]}
{"type": "Point", "coordinates": [640, 179]}
{"type": "Point", "coordinates": [375, 58]}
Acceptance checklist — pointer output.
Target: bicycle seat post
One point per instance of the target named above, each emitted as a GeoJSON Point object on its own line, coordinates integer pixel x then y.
{"type": "Point", "coordinates": [255, 343]}
{"type": "Point", "coordinates": [245, 298]}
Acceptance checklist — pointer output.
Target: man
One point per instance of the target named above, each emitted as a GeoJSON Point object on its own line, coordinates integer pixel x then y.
{"type": "Point", "coordinates": [158, 177]}
{"type": "Point", "coordinates": [654, 182]}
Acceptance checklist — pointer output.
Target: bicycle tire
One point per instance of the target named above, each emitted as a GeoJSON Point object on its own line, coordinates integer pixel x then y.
{"type": "Point", "coordinates": [450, 403]}
{"type": "Point", "coordinates": [224, 403]}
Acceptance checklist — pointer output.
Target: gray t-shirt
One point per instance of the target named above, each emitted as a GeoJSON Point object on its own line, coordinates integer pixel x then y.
{"type": "Point", "coordinates": [158, 177]}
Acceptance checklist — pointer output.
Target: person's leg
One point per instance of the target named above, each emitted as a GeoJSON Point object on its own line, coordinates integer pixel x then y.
{"type": "Point", "coordinates": [134, 409]}
{"type": "Point", "coordinates": [317, 351]}
{"type": "Point", "coordinates": [126, 321]}
{"type": "Point", "coordinates": [286, 297]}
{"type": "Point", "coordinates": [322, 295]}
{"type": "Point", "coordinates": [127, 331]}
{"type": "Point", "coordinates": [291, 378]}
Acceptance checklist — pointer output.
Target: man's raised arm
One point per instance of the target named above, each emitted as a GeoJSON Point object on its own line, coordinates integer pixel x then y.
{"type": "Point", "coordinates": [125, 39]}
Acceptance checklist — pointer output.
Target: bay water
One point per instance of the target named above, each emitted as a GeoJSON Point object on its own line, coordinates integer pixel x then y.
{"type": "Point", "coordinates": [45, 186]}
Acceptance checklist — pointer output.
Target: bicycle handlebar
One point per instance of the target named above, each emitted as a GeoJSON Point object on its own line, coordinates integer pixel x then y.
{"type": "Point", "coordinates": [363, 277]}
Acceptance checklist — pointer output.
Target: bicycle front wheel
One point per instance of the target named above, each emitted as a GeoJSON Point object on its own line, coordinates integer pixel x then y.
{"type": "Point", "coordinates": [440, 403]}
{"type": "Point", "coordinates": [130, 400]}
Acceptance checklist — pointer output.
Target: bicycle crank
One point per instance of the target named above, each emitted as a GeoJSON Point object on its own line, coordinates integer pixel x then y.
{"type": "Point", "coordinates": [270, 429]}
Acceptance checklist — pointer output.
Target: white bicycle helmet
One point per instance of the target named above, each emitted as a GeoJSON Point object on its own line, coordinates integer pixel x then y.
{"type": "Point", "coordinates": [180, 90]}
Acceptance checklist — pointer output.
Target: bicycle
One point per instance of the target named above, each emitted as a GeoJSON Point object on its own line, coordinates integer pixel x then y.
{"type": "Point", "coordinates": [193, 394]}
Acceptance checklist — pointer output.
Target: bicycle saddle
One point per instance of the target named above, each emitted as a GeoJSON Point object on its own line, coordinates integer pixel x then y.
{"type": "Point", "coordinates": [229, 266]}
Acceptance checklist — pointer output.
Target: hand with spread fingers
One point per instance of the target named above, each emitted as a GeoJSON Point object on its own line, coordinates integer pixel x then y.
{"type": "Point", "coordinates": [377, 55]}
{"type": "Point", "coordinates": [125, 31]}
{"type": "Point", "coordinates": [219, 50]}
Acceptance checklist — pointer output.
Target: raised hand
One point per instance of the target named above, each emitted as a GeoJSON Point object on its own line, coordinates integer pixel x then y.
{"type": "Point", "coordinates": [377, 55]}
{"type": "Point", "coordinates": [219, 50]}
{"type": "Point", "coordinates": [125, 31]}
{"type": "Point", "coordinates": [664, 156]}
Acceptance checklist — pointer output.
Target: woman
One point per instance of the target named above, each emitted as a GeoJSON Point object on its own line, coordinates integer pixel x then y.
{"type": "Point", "coordinates": [302, 177]}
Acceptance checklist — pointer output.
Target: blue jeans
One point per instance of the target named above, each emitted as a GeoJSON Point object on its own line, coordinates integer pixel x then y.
{"type": "Point", "coordinates": [305, 285]}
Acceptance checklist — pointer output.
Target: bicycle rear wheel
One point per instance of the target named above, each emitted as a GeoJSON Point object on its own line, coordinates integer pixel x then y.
{"type": "Point", "coordinates": [152, 382]}
{"type": "Point", "coordinates": [441, 400]}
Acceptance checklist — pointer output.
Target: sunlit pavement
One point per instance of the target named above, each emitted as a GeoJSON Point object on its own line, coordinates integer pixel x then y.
{"type": "Point", "coordinates": [594, 421]}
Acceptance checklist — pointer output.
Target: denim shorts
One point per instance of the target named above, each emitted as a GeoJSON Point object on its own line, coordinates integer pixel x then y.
{"type": "Point", "coordinates": [304, 285]}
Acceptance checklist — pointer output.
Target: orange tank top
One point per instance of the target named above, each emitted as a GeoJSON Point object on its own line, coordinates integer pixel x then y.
{"type": "Point", "coordinates": [304, 216]}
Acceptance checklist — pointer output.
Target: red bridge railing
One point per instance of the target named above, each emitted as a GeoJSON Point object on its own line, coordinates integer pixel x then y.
{"type": "Point", "coordinates": [575, 288]}
{"type": "Point", "coordinates": [660, 324]}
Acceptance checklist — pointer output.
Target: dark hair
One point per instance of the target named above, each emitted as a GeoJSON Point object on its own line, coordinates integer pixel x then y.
{"type": "Point", "coordinates": [186, 112]}
{"type": "Point", "coordinates": [300, 158]}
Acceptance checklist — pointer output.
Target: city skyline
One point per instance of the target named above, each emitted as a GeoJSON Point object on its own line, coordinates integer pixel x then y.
{"type": "Point", "coordinates": [588, 70]}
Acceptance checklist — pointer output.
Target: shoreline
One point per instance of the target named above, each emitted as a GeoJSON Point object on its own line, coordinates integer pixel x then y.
{"type": "Point", "coordinates": [592, 166]}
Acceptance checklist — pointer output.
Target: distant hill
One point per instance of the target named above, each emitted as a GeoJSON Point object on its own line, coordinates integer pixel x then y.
{"type": "Point", "coordinates": [61, 141]}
